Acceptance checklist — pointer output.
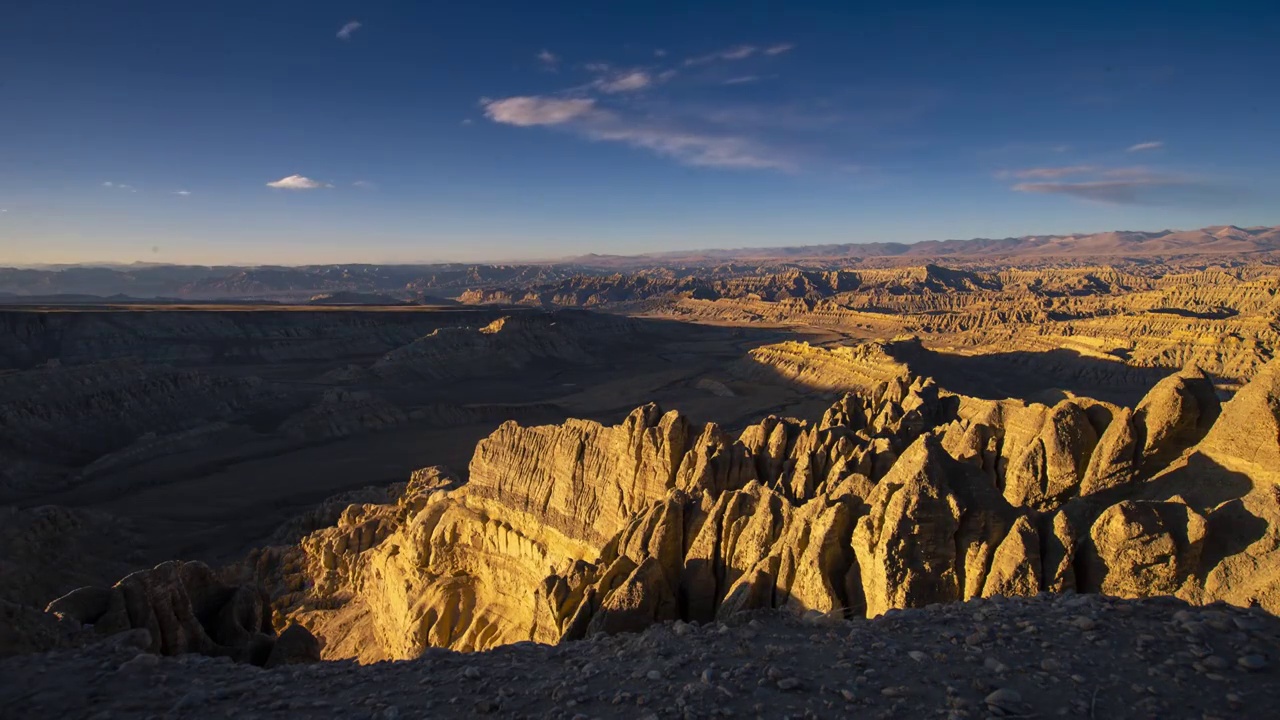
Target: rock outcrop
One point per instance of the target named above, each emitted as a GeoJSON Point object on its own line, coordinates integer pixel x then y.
{"type": "Point", "coordinates": [183, 608]}
{"type": "Point", "coordinates": [901, 496]}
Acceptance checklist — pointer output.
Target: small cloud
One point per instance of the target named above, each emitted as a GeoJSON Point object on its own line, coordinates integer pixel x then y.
{"type": "Point", "coordinates": [627, 82]}
{"type": "Point", "coordinates": [298, 182]}
{"type": "Point", "coordinates": [1155, 145]}
{"type": "Point", "coordinates": [183, 193]}
{"type": "Point", "coordinates": [660, 53]}
{"type": "Point", "coordinates": [596, 67]}
{"type": "Point", "coordinates": [119, 186]}
{"type": "Point", "coordinates": [534, 110]}
{"type": "Point", "coordinates": [548, 59]}
{"type": "Point", "coordinates": [345, 32]}
{"type": "Point", "coordinates": [779, 48]}
{"type": "Point", "coordinates": [742, 80]}
{"type": "Point", "coordinates": [466, 121]}
{"type": "Point", "coordinates": [367, 185]}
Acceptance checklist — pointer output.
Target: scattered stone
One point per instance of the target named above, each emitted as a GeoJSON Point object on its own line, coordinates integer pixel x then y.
{"type": "Point", "coordinates": [1253, 663]}
{"type": "Point", "coordinates": [1005, 699]}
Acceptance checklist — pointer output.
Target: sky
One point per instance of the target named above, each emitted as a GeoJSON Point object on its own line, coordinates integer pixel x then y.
{"type": "Point", "coordinates": [320, 131]}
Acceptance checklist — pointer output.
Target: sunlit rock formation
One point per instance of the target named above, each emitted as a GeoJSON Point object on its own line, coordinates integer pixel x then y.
{"type": "Point", "coordinates": [900, 496]}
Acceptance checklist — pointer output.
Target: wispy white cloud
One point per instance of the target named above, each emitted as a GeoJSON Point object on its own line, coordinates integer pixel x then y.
{"type": "Point", "coordinates": [466, 121]}
{"type": "Point", "coordinates": [1154, 145]}
{"type": "Point", "coordinates": [365, 184]}
{"type": "Point", "coordinates": [585, 118]}
{"type": "Point", "coordinates": [344, 33]}
{"type": "Point", "coordinates": [743, 80]}
{"type": "Point", "coordinates": [549, 60]}
{"type": "Point", "coordinates": [183, 193]}
{"type": "Point", "coordinates": [119, 186]}
{"type": "Point", "coordinates": [737, 52]}
{"type": "Point", "coordinates": [298, 182]}
{"type": "Point", "coordinates": [659, 53]}
{"type": "Point", "coordinates": [535, 110]}
{"type": "Point", "coordinates": [626, 82]}
{"type": "Point", "coordinates": [1130, 185]}
{"type": "Point", "coordinates": [1138, 186]}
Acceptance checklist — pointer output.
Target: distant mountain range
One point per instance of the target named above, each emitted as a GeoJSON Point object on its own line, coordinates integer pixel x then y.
{"type": "Point", "coordinates": [414, 282]}
{"type": "Point", "coordinates": [1213, 240]}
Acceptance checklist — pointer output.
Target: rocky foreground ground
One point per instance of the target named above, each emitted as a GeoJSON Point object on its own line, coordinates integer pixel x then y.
{"type": "Point", "coordinates": [1044, 656]}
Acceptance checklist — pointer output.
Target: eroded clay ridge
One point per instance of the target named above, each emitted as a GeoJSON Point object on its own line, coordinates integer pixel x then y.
{"type": "Point", "coordinates": [899, 497]}
{"type": "Point", "coordinates": [1221, 318]}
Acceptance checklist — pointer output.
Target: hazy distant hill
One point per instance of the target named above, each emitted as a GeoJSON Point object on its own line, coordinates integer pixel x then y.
{"type": "Point", "coordinates": [449, 280]}
{"type": "Point", "coordinates": [1214, 240]}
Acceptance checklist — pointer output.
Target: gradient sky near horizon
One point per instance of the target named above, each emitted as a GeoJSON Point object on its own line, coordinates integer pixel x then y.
{"type": "Point", "coordinates": [324, 131]}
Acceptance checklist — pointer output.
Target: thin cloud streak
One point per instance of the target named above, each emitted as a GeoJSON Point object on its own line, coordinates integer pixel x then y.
{"type": "Point", "coordinates": [345, 32]}
{"type": "Point", "coordinates": [1049, 173]}
{"type": "Point", "coordinates": [739, 52]}
{"type": "Point", "coordinates": [1154, 145]}
{"type": "Point", "coordinates": [1157, 190]}
{"type": "Point", "coordinates": [779, 48]}
{"type": "Point", "coordinates": [627, 82]}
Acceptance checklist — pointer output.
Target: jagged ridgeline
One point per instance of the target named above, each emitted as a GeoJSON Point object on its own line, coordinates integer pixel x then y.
{"type": "Point", "coordinates": [902, 495]}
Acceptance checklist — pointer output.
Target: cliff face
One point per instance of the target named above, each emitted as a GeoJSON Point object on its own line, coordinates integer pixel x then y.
{"type": "Point", "coordinates": [902, 495]}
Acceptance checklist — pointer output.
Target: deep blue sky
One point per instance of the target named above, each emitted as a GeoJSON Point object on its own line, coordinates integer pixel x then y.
{"type": "Point", "coordinates": [500, 130]}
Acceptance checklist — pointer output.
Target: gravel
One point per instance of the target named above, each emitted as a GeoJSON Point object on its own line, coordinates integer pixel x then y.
{"type": "Point", "coordinates": [1155, 658]}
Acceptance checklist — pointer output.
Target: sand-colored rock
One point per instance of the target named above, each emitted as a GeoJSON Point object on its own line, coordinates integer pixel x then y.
{"type": "Point", "coordinates": [1175, 414]}
{"type": "Point", "coordinates": [1015, 568]}
{"type": "Point", "coordinates": [1247, 435]}
{"type": "Point", "coordinates": [1139, 548]}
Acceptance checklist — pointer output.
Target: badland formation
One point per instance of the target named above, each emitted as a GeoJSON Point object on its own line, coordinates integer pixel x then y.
{"type": "Point", "coordinates": [1022, 477]}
